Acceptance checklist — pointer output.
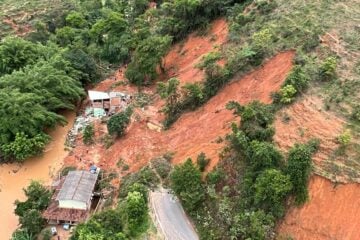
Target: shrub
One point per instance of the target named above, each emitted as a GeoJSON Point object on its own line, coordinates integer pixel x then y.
{"type": "Point", "coordinates": [262, 39]}
{"type": "Point", "coordinates": [271, 189]}
{"type": "Point", "coordinates": [328, 68]}
{"type": "Point", "coordinates": [162, 167]}
{"type": "Point", "coordinates": [193, 95]}
{"type": "Point", "coordinates": [252, 225]}
{"type": "Point", "coordinates": [297, 78]}
{"type": "Point", "coordinates": [287, 94]}
{"type": "Point", "coordinates": [117, 123]}
{"type": "Point", "coordinates": [263, 155]}
{"type": "Point", "coordinates": [215, 176]}
{"type": "Point", "coordinates": [88, 137]}
{"type": "Point", "coordinates": [108, 140]}
{"type": "Point", "coordinates": [356, 113]}
{"type": "Point", "coordinates": [202, 161]}
{"type": "Point", "coordinates": [45, 234]}
{"type": "Point", "coordinates": [66, 170]}
{"type": "Point", "coordinates": [146, 176]}
{"type": "Point", "coordinates": [344, 138]}
{"type": "Point", "coordinates": [32, 221]}
{"type": "Point", "coordinates": [256, 119]}
{"type": "Point", "coordinates": [22, 234]}
{"type": "Point", "coordinates": [107, 224]}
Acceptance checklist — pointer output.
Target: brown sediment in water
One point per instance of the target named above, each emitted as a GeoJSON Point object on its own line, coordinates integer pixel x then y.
{"type": "Point", "coordinates": [332, 212]}
{"type": "Point", "coordinates": [14, 177]}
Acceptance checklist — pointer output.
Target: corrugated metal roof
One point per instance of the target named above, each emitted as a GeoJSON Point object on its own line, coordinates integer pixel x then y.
{"type": "Point", "coordinates": [78, 186]}
{"type": "Point", "coordinates": [96, 95]}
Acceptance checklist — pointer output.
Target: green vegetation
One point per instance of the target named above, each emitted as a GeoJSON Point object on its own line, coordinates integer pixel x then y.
{"type": "Point", "coordinates": [29, 211]}
{"type": "Point", "coordinates": [117, 123]}
{"type": "Point", "coordinates": [246, 193]}
{"type": "Point", "coordinates": [186, 183]}
{"type": "Point", "coordinates": [202, 161]}
{"type": "Point", "coordinates": [88, 135]}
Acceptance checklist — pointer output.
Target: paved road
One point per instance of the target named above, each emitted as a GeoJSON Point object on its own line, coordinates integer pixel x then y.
{"type": "Point", "coordinates": [170, 217]}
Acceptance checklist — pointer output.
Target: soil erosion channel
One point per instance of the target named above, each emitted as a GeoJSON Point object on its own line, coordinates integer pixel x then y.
{"type": "Point", "coordinates": [14, 177]}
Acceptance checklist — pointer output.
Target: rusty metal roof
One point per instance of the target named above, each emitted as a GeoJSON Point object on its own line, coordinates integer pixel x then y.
{"type": "Point", "coordinates": [78, 186]}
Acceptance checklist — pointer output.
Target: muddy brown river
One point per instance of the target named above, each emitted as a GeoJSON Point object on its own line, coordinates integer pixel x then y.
{"type": "Point", "coordinates": [14, 177]}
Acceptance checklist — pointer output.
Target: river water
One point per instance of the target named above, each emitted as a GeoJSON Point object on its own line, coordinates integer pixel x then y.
{"type": "Point", "coordinates": [14, 177]}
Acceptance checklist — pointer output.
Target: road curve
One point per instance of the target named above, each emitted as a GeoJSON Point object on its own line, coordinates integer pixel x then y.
{"type": "Point", "coordinates": [170, 217]}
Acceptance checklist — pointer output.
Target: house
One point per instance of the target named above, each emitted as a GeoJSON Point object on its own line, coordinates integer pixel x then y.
{"type": "Point", "coordinates": [110, 102]}
{"type": "Point", "coordinates": [99, 99]}
{"type": "Point", "coordinates": [71, 202]}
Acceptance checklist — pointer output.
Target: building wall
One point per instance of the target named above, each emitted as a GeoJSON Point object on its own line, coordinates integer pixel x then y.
{"type": "Point", "coordinates": [72, 204]}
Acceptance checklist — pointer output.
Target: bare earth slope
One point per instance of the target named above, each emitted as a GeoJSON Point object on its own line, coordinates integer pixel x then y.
{"type": "Point", "coordinates": [332, 213]}
{"type": "Point", "coordinates": [197, 131]}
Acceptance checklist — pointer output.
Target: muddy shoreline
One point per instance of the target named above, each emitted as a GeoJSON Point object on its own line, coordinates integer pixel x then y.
{"type": "Point", "coordinates": [14, 177]}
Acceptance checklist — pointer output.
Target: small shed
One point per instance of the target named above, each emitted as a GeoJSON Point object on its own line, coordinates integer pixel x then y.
{"type": "Point", "coordinates": [77, 190]}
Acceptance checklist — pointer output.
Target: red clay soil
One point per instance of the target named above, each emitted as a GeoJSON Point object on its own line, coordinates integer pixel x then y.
{"type": "Point", "coordinates": [332, 213]}
{"type": "Point", "coordinates": [181, 60]}
{"type": "Point", "coordinates": [197, 131]}
{"type": "Point", "coordinates": [19, 30]}
{"type": "Point", "coordinates": [308, 120]}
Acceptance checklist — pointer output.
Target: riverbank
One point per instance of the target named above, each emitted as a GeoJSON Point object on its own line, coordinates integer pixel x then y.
{"type": "Point", "coordinates": [15, 177]}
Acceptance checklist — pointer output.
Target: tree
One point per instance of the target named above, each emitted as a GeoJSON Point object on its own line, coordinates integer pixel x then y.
{"type": "Point", "coordinates": [117, 123]}
{"type": "Point", "coordinates": [38, 197]}
{"type": "Point", "coordinates": [84, 63]}
{"type": "Point", "coordinates": [88, 136]}
{"type": "Point", "coordinates": [54, 82]}
{"type": "Point", "coordinates": [112, 24]}
{"type": "Point", "coordinates": [76, 20]}
{"type": "Point", "coordinates": [186, 183]}
{"type": "Point", "coordinates": [202, 161]}
{"type": "Point", "coordinates": [65, 36]}
{"type": "Point", "coordinates": [271, 188]}
{"type": "Point", "coordinates": [147, 56]}
{"type": "Point", "coordinates": [299, 168]}
{"type": "Point", "coordinates": [24, 147]}
{"type": "Point", "coordinates": [16, 53]}
{"type": "Point", "coordinates": [32, 221]}
{"type": "Point", "coordinates": [136, 207]}
{"type": "Point", "coordinates": [263, 155]}
{"type": "Point", "coordinates": [173, 107]}
{"type": "Point", "coordinates": [256, 119]}
{"type": "Point", "coordinates": [21, 112]}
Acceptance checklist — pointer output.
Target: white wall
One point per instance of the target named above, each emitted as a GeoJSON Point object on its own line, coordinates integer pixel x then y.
{"type": "Point", "coordinates": [72, 204]}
